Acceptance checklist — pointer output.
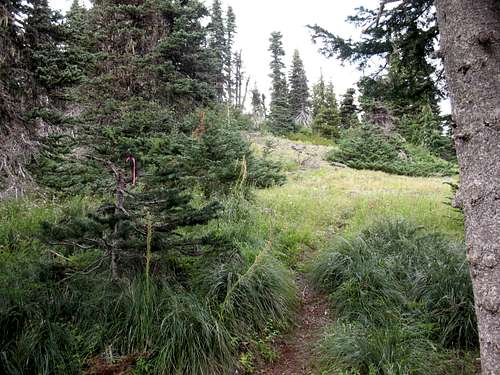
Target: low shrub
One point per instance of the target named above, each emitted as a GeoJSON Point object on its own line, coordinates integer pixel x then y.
{"type": "Point", "coordinates": [368, 148]}
{"type": "Point", "coordinates": [219, 160]}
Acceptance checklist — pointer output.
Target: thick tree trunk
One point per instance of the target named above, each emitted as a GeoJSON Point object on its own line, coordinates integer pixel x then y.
{"type": "Point", "coordinates": [470, 43]}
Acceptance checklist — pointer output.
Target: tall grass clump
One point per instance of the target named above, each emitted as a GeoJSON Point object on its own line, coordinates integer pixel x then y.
{"type": "Point", "coordinates": [249, 294]}
{"type": "Point", "coordinates": [403, 297]}
{"type": "Point", "coordinates": [176, 331]}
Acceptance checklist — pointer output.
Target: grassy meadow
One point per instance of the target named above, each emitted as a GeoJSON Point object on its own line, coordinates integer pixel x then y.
{"type": "Point", "coordinates": [242, 297]}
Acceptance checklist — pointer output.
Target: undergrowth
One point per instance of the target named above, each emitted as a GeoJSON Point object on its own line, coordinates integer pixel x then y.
{"type": "Point", "coordinates": [56, 318]}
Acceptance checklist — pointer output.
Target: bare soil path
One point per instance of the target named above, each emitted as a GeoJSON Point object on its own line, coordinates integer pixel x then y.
{"type": "Point", "coordinates": [296, 349]}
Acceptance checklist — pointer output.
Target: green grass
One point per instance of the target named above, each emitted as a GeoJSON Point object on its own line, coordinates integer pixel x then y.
{"type": "Point", "coordinates": [318, 207]}
{"type": "Point", "coordinates": [194, 320]}
{"type": "Point", "coordinates": [319, 204]}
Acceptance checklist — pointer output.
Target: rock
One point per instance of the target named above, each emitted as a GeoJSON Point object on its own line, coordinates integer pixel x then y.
{"type": "Point", "coordinates": [339, 165]}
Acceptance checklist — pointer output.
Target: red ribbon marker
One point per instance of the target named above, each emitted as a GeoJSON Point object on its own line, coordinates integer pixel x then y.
{"type": "Point", "coordinates": [134, 178]}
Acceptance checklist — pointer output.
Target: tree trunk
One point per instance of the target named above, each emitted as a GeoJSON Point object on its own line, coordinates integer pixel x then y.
{"type": "Point", "coordinates": [470, 44]}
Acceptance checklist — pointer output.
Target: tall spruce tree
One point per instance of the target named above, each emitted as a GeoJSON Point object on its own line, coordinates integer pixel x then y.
{"type": "Point", "coordinates": [79, 39]}
{"type": "Point", "coordinates": [348, 110]}
{"type": "Point", "coordinates": [326, 123]}
{"type": "Point", "coordinates": [318, 97]}
{"type": "Point", "coordinates": [299, 91]}
{"type": "Point", "coordinates": [218, 46]}
{"type": "Point", "coordinates": [230, 34]}
{"type": "Point", "coordinates": [43, 36]}
{"type": "Point", "coordinates": [280, 119]}
{"type": "Point", "coordinates": [149, 64]}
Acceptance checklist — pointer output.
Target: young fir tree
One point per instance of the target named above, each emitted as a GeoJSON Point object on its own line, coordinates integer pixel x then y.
{"type": "Point", "coordinates": [427, 130]}
{"type": "Point", "coordinates": [348, 110]}
{"type": "Point", "coordinates": [218, 45]}
{"type": "Point", "coordinates": [299, 91]}
{"type": "Point", "coordinates": [327, 120]}
{"type": "Point", "coordinates": [122, 228]}
{"type": "Point", "coordinates": [280, 119]}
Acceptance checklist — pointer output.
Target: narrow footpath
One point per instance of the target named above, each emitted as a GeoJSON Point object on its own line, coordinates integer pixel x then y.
{"type": "Point", "coordinates": [296, 349]}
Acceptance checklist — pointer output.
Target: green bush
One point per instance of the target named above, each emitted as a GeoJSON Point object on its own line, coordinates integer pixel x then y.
{"type": "Point", "coordinates": [407, 293]}
{"type": "Point", "coordinates": [368, 148]}
{"type": "Point", "coordinates": [218, 160]}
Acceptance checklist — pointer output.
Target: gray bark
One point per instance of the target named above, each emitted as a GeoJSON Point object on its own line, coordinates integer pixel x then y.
{"type": "Point", "coordinates": [470, 43]}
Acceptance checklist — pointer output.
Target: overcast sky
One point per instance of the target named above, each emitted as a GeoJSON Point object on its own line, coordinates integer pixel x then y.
{"type": "Point", "coordinates": [256, 19]}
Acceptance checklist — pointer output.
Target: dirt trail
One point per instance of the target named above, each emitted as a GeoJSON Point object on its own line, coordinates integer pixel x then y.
{"type": "Point", "coordinates": [296, 349]}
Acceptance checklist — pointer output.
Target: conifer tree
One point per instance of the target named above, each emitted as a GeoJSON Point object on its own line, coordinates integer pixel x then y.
{"type": "Point", "coordinates": [121, 228]}
{"type": "Point", "coordinates": [143, 72]}
{"type": "Point", "coordinates": [240, 83]}
{"type": "Point", "coordinates": [79, 39]}
{"type": "Point", "coordinates": [218, 45]}
{"type": "Point", "coordinates": [14, 79]}
{"type": "Point", "coordinates": [318, 98]}
{"type": "Point", "coordinates": [299, 91]}
{"type": "Point", "coordinates": [348, 110]}
{"type": "Point", "coordinates": [32, 65]}
{"type": "Point", "coordinates": [327, 120]}
{"type": "Point", "coordinates": [230, 34]}
{"type": "Point", "coordinates": [404, 38]}
{"type": "Point", "coordinates": [52, 66]}
{"type": "Point", "coordinates": [280, 118]}
{"type": "Point", "coordinates": [258, 107]}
